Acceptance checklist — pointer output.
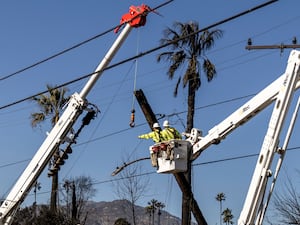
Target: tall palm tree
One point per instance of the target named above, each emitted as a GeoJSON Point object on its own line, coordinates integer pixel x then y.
{"type": "Point", "coordinates": [149, 210]}
{"type": "Point", "coordinates": [188, 50]}
{"type": "Point", "coordinates": [220, 198]}
{"type": "Point", "coordinates": [159, 206]}
{"type": "Point", "coordinates": [36, 187]}
{"type": "Point", "coordinates": [227, 216]}
{"type": "Point", "coordinates": [50, 106]}
{"type": "Point", "coordinates": [153, 206]}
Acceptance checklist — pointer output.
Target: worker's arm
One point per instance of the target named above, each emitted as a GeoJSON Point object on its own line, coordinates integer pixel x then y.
{"type": "Point", "coordinates": [145, 136]}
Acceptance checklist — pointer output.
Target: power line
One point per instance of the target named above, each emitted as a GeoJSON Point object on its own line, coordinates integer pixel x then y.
{"type": "Point", "coordinates": [194, 165]}
{"type": "Point", "coordinates": [70, 48]}
{"type": "Point", "coordinates": [57, 54]}
{"type": "Point", "coordinates": [146, 52]}
{"type": "Point", "coordinates": [142, 124]}
{"type": "Point", "coordinates": [14, 163]}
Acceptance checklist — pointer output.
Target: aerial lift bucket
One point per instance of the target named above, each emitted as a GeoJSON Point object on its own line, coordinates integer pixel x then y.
{"type": "Point", "coordinates": [171, 156]}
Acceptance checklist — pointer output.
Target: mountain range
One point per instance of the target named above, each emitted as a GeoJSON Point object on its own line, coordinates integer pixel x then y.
{"type": "Point", "coordinates": [106, 213]}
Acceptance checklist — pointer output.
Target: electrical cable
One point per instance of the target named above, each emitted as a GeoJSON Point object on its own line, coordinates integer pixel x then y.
{"type": "Point", "coordinates": [100, 121]}
{"type": "Point", "coordinates": [56, 55]}
{"type": "Point", "coordinates": [148, 51]}
{"type": "Point", "coordinates": [193, 165]}
{"type": "Point", "coordinates": [73, 47]}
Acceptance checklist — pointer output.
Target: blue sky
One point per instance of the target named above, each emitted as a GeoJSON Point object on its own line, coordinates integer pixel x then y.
{"type": "Point", "coordinates": [35, 30]}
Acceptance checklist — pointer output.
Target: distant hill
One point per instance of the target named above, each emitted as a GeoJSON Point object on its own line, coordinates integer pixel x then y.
{"type": "Point", "coordinates": [106, 213]}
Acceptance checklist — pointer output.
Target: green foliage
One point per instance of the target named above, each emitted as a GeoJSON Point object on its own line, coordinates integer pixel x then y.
{"type": "Point", "coordinates": [50, 105]}
{"type": "Point", "coordinates": [153, 206]}
{"type": "Point", "coordinates": [121, 221]}
{"type": "Point", "coordinates": [187, 53]}
{"type": "Point", "coordinates": [43, 216]}
{"type": "Point", "coordinates": [227, 216]}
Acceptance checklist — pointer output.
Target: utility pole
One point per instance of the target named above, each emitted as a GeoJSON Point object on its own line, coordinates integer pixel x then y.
{"type": "Point", "coordinates": [282, 46]}
{"type": "Point", "coordinates": [181, 179]}
{"type": "Point", "coordinates": [146, 108]}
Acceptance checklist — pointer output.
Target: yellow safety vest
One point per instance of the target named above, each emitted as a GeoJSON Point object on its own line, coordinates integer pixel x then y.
{"type": "Point", "coordinates": [170, 133]}
{"type": "Point", "coordinates": [155, 135]}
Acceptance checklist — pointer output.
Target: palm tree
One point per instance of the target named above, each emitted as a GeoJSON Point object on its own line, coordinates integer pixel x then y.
{"type": "Point", "coordinates": [50, 105]}
{"type": "Point", "coordinates": [188, 48]}
{"type": "Point", "coordinates": [149, 210]}
{"type": "Point", "coordinates": [227, 216]}
{"type": "Point", "coordinates": [159, 206]}
{"type": "Point", "coordinates": [220, 197]}
{"type": "Point", "coordinates": [152, 205]}
{"type": "Point", "coordinates": [37, 187]}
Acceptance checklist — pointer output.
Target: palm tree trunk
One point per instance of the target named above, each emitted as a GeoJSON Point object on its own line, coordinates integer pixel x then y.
{"type": "Point", "coordinates": [186, 198]}
{"type": "Point", "coordinates": [159, 214]}
{"type": "Point", "coordinates": [74, 205]}
{"type": "Point", "coordinates": [191, 107]}
{"type": "Point", "coordinates": [153, 210]}
{"type": "Point", "coordinates": [53, 199]}
{"type": "Point", "coordinates": [221, 212]}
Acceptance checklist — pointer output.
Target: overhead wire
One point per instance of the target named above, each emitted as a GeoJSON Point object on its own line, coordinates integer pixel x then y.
{"type": "Point", "coordinates": [134, 89]}
{"type": "Point", "coordinates": [148, 51]}
{"type": "Point", "coordinates": [193, 165]}
{"type": "Point", "coordinates": [142, 124]}
{"type": "Point", "coordinates": [73, 47]}
{"type": "Point", "coordinates": [72, 81]}
{"type": "Point", "coordinates": [57, 54]}
{"type": "Point", "coordinates": [102, 117]}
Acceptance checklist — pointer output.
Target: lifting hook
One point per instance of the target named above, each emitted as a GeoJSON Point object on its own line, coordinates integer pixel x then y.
{"type": "Point", "coordinates": [132, 124]}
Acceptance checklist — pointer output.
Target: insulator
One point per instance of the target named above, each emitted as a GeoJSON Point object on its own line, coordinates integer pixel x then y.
{"type": "Point", "coordinates": [249, 41]}
{"type": "Point", "coordinates": [69, 150]}
{"type": "Point", "coordinates": [60, 162]}
{"type": "Point", "coordinates": [88, 117]}
{"type": "Point", "coordinates": [65, 155]}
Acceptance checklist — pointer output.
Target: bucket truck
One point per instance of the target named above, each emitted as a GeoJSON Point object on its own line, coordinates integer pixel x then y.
{"type": "Point", "coordinates": [281, 92]}
{"type": "Point", "coordinates": [136, 17]}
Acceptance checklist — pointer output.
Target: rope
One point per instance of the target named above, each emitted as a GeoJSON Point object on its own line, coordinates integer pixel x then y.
{"type": "Point", "coordinates": [132, 116]}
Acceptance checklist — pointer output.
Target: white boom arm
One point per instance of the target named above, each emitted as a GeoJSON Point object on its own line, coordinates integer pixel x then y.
{"type": "Point", "coordinates": [254, 200]}
{"type": "Point", "coordinates": [281, 91]}
{"type": "Point", "coordinates": [239, 117]}
{"type": "Point", "coordinates": [135, 18]}
{"type": "Point", "coordinates": [40, 160]}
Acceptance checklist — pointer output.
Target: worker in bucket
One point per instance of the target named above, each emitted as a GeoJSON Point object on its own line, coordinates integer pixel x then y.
{"type": "Point", "coordinates": [155, 135]}
{"type": "Point", "coordinates": [169, 133]}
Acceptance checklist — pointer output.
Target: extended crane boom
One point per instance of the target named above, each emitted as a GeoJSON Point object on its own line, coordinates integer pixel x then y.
{"type": "Point", "coordinates": [134, 18]}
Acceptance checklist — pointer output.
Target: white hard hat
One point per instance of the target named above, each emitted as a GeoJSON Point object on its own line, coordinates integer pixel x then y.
{"type": "Point", "coordinates": [155, 125]}
{"type": "Point", "coordinates": [166, 123]}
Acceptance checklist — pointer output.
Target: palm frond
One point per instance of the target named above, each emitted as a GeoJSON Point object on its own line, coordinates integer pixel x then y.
{"type": "Point", "coordinates": [209, 69]}
{"type": "Point", "coordinates": [36, 118]}
{"type": "Point", "coordinates": [176, 87]}
{"type": "Point", "coordinates": [49, 104]}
